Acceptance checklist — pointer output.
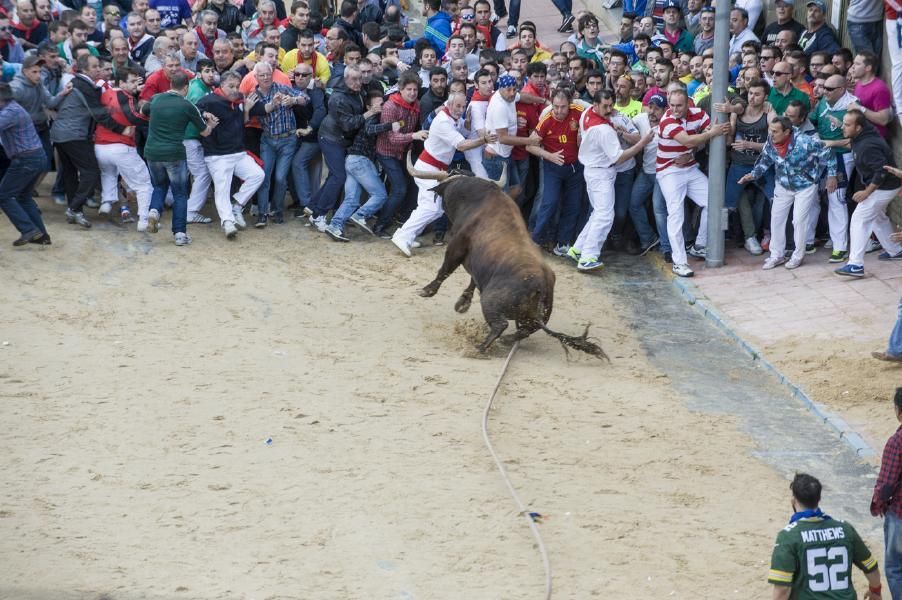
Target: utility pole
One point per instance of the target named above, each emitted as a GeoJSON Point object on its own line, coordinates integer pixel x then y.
{"type": "Point", "coordinates": [717, 147]}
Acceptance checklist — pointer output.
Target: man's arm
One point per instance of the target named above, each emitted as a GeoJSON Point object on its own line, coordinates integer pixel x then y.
{"type": "Point", "coordinates": [698, 140]}
{"type": "Point", "coordinates": [635, 148]}
{"type": "Point", "coordinates": [512, 140]}
{"type": "Point", "coordinates": [781, 592]}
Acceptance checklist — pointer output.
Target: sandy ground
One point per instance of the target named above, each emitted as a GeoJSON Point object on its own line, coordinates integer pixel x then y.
{"type": "Point", "coordinates": [141, 381]}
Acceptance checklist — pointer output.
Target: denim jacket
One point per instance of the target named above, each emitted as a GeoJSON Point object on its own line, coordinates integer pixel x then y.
{"type": "Point", "coordinates": [804, 163]}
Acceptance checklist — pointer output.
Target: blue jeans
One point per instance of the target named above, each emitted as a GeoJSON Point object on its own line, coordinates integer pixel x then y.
{"type": "Point", "coordinates": [398, 178]}
{"type": "Point", "coordinates": [895, 341]}
{"type": "Point", "coordinates": [660, 208]}
{"type": "Point", "coordinates": [305, 158]}
{"type": "Point", "coordinates": [565, 7]}
{"type": "Point", "coordinates": [867, 36]}
{"type": "Point", "coordinates": [892, 558]}
{"type": "Point", "coordinates": [563, 190]}
{"type": "Point", "coordinates": [15, 191]}
{"type": "Point", "coordinates": [163, 175]}
{"type": "Point", "coordinates": [278, 154]}
{"type": "Point", "coordinates": [325, 197]}
{"type": "Point", "coordinates": [623, 192]}
{"type": "Point", "coordinates": [642, 189]}
{"type": "Point", "coordinates": [362, 174]}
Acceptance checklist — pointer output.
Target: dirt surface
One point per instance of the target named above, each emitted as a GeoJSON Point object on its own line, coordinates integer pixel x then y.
{"type": "Point", "coordinates": [141, 383]}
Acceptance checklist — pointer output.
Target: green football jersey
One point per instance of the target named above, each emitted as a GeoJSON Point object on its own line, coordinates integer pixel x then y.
{"type": "Point", "coordinates": [815, 557]}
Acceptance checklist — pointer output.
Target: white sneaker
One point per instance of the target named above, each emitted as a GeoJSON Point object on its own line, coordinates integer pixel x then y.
{"type": "Point", "coordinates": [753, 247]}
{"type": "Point", "coordinates": [793, 263]}
{"type": "Point", "coordinates": [199, 218]}
{"type": "Point", "coordinates": [105, 208]}
{"type": "Point", "coordinates": [228, 227]}
{"type": "Point", "coordinates": [142, 225]}
{"type": "Point", "coordinates": [873, 246]}
{"type": "Point", "coordinates": [415, 244]}
{"type": "Point", "coordinates": [182, 239]}
{"type": "Point", "coordinates": [773, 261]}
{"type": "Point", "coordinates": [153, 220]}
{"type": "Point", "coordinates": [240, 223]}
{"type": "Point", "coordinates": [404, 248]}
{"type": "Point", "coordinates": [682, 270]}
{"type": "Point", "coordinates": [318, 222]}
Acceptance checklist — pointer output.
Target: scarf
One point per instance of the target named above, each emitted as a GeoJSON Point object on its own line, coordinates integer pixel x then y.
{"type": "Point", "coordinates": [807, 514]}
{"type": "Point", "coordinates": [27, 29]}
{"type": "Point", "coordinates": [673, 38]}
{"type": "Point", "coordinates": [477, 97]}
{"type": "Point", "coordinates": [260, 26]}
{"type": "Point", "coordinates": [411, 107]}
{"type": "Point", "coordinates": [233, 104]}
{"type": "Point", "coordinates": [783, 148]}
{"type": "Point", "coordinates": [208, 45]}
{"type": "Point", "coordinates": [592, 119]}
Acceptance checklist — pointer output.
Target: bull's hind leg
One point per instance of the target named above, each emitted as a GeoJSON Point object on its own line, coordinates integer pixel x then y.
{"type": "Point", "coordinates": [524, 330]}
{"type": "Point", "coordinates": [497, 327]}
{"type": "Point", "coordinates": [495, 317]}
{"type": "Point", "coordinates": [454, 257]}
{"type": "Point", "coordinates": [463, 303]}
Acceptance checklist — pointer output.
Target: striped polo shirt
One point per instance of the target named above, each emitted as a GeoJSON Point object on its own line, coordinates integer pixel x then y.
{"type": "Point", "coordinates": [695, 121]}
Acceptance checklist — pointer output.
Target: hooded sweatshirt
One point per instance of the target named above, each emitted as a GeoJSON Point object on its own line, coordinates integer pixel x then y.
{"type": "Point", "coordinates": [35, 99]}
{"type": "Point", "coordinates": [871, 153]}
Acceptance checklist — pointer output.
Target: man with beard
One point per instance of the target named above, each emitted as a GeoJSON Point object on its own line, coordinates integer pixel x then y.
{"type": "Point", "coordinates": [29, 29]}
{"type": "Point", "coordinates": [140, 43]}
{"type": "Point", "coordinates": [297, 22]}
{"type": "Point", "coordinates": [437, 93]}
{"type": "Point", "coordinates": [306, 53]}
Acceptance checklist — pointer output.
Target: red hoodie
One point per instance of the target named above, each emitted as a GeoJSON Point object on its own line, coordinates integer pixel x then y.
{"type": "Point", "coordinates": [123, 110]}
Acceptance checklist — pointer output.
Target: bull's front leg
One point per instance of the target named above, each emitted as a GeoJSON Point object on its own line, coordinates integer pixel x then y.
{"type": "Point", "coordinates": [454, 257]}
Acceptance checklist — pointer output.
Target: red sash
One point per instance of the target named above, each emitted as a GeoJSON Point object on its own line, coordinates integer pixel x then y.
{"type": "Point", "coordinates": [431, 160]}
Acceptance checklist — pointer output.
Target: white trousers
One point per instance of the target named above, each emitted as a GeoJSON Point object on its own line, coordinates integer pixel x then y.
{"type": "Point", "coordinates": [199, 173]}
{"type": "Point", "coordinates": [837, 212]}
{"type": "Point", "coordinates": [870, 216]}
{"type": "Point", "coordinates": [800, 202]}
{"type": "Point", "coordinates": [474, 158]}
{"type": "Point", "coordinates": [120, 159]}
{"type": "Point", "coordinates": [895, 55]}
{"type": "Point", "coordinates": [600, 186]}
{"type": "Point", "coordinates": [429, 207]}
{"type": "Point", "coordinates": [676, 184]}
{"type": "Point", "coordinates": [222, 169]}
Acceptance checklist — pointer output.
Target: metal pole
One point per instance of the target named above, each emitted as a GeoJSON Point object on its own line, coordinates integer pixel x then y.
{"type": "Point", "coordinates": [717, 147]}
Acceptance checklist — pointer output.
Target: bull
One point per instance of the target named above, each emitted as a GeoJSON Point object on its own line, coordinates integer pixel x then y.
{"type": "Point", "coordinates": [490, 240]}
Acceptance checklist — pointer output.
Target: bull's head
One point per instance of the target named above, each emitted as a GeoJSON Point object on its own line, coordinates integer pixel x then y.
{"type": "Point", "coordinates": [443, 175]}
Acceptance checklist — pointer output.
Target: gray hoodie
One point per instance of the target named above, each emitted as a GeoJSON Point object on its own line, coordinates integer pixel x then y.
{"type": "Point", "coordinates": [35, 99]}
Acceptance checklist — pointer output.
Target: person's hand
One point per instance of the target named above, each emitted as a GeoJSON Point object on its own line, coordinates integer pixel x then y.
{"type": "Point", "coordinates": [534, 140]}
{"type": "Point", "coordinates": [683, 159]}
{"type": "Point", "coordinates": [853, 106]}
{"type": "Point", "coordinates": [648, 137]}
{"type": "Point", "coordinates": [491, 138]}
{"type": "Point", "coordinates": [420, 135]}
{"type": "Point", "coordinates": [869, 595]}
{"type": "Point", "coordinates": [893, 170]}
{"type": "Point", "coordinates": [521, 122]}
{"type": "Point", "coordinates": [721, 129]}
{"type": "Point", "coordinates": [198, 6]}
{"type": "Point", "coordinates": [303, 131]}
{"type": "Point", "coordinates": [252, 98]}
{"type": "Point", "coordinates": [556, 158]}
{"type": "Point", "coordinates": [896, 237]}
{"type": "Point", "coordinates": [288, 100]}
{"type": "Point", "coordinates": [66, 89]}
{"type": "Point", "coordinates": [724, 107]}
{"type": "Point", "coordinates": [402, 66]}
{"type": "Point", "coordinates": [129, 131]}
{"type": "Point", "coordinates": [831, 184]}
{"type": "Point", "coordinates": [860, 196]}
{"type": "Point", "coordinates": [396, 126]}
{"type": "Point", "coordinates": [747, 178]}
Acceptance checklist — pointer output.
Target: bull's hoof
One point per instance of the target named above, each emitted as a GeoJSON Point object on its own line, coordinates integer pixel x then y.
{"type": "Point", "coordinates": [429, 291]}
{"type": "Point", "coordinates": [463, 304]}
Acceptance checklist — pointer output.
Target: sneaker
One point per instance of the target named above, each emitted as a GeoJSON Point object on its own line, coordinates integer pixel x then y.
{"type": "Point", "coordinates": [77, 218]}
{"type": "Point", "coordinates": [753, 247]}
{"type": "Point", "coordinates": [261, 221]}
{"type": "Point", "coordinates": [765, 241]}
{"type": "Point", "coordinates": [59, 199]}
{"type": "Point", "coordinates": [850, 271]}
{"type": "Point", "coordinates": [438, 239]}
{"type": "Point", "coordinates": [574, 253]}
{"type": "Point", "coordinates": [153, 220]}
{"type": "Point", "coordinates": [873, 246]}
{"type": "Point", "coordinates": [92, 203]}
{"type": "Point", "coordinates": [773, 262]}
{"type": "Point", "coordinates": [650, 246]}
{"type": "Point", "coordinates": [237, 209]}
{"type": "Point", "coordinates": [142, 225]}
{"type": "Point", "coordinates": [682, 270]}
{"type": "Point", "coordinates": [28, 238]}
{"type": "Point", "coordinates": [793, 263]}
{"type": "Point", "coordinates": [254, 210]}
{"type": "Point", "coordinates": [199, 219]}
{"type": "Point", "coordinates": [43, 240]}
{"type": "Point", "coordinates": [838, 256]}
{"type": "Point", "coordinates": [318, 222]}
{"type": "Point", "coordinates": [888, 256]}
{"type": "Point", "coordinates": [182, 239]}
{"type": "Point", "coordinates": [561, 250]}
{"type": "Point", "coordinates": [810, 249]}
{"type": "Point", "coordinates": [828, 244]}
{"type": "Point", "coordinates": [336, 234]}
{"type": "Point", "coordinates": [415, 244]}
{"type": "Point", "coordinates": [566, 24]}
{"type": "Point", "coordinates": [383, 234]}
{"type": "Point", "coordinates": [404, 248]}
{"type": "Point", "coordinates": [105, 208]}
{"type": "Point", "coordinates": [228, 227]}
{"type": "Point", "coordinates": [278, 218]}
{"type": "Point", "coordinates": [511, 31]}
{"type": "Point", "coordinates": [697, 251]}
{"type": "Point", "coordinates": [589, 264]}
{"type": "Point", "coordinates": [886, 356]}
{"type": "Point", "coordinates": [361, 223]}
{"type": "Point", "coordinates": [668, 258]}
{"type": "Point", "coordinates": [125, 215]}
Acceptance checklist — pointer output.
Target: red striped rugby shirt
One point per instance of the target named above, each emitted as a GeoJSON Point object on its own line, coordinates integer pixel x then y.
{"type": "Point", "coordinates": [695, 122]}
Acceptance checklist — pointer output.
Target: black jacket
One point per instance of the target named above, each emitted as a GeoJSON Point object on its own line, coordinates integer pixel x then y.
{"type": "Point", "coordinates": [345, 116]}
{"type": "Point", "coordinates": [228, 137]}
{"type": "Point", "coordinates": [871, 154]}
{"type": "Point", "coordinates": [311, 114]}
{"type": "Point", "coordinates": [229, 18]}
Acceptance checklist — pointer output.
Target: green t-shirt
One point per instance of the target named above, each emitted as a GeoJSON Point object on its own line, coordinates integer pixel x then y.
{"type": "Point", "coordinates": [815, 557]}
{"type": "Point", "coordinates": [170, 114]}
{"type": "Point", "coordinates": [779, 102]}
{"type": "Point", "coordinates": [197, 89]}
{"type": "Point", "coordinates": [827, 128]}
{"type": "Point", "coordinates": [630, 110]}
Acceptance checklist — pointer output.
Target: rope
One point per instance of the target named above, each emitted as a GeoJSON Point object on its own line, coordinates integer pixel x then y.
{"type": "Point", "coordinates": [531, 517]}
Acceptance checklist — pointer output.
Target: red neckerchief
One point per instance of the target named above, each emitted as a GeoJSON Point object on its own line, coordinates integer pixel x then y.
{"type": "Point", "coordinates": [477, 97]}
{"type": "Point", "coordinates": [673, 39]}
{"type": "Point", "coordinates": [413, 107]}
{"type": "Point", "coordinates": [232, 103]}
{"type": "Point", "coordinates": [132, 46]}
{"type": "Point", "coordinates": [25, 29]}
{"type": "Point", "coordinates": [782, 148]}
{"type": "Point", "coordinates": [260, 26]}
{"type": "Point", "coordinates": [208, 45]}
{"type": "Point", "coordinates": [592, 119]}
{"type": "Point", "coordinates": [448, 112]}
{"type": "Point", "coordinates": [487, 32]}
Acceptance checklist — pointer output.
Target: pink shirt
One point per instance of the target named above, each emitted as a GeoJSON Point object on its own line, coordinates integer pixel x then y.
{"type": "Point", "coordinates": [874, 96]}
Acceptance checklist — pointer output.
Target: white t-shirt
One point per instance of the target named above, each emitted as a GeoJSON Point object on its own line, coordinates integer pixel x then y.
{"type": "Point", "coordinates": [600, 147]}
{"type": "Point", "coordinates": [501, 114]}
{"type": "Point", "coordinates": [650, 153]}
{"type": "Point", "coordinates": [477, 110]}
{"type": "Point", "coordinates": [443, 137]}
{"type": "Point", "coordinates": [623, 121]}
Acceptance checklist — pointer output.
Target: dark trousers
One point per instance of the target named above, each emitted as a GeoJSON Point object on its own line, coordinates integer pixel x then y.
{"type": "Point", "coordinates": [398, 182]}
{"type": "Point", "coordinates": [326, 197]}
{"type": "Point", "coordinates": [81, 174]}
{"type": "Point", "coordinates": [15, 191]}
{"type": "Point", "coordinates": [562, 193]}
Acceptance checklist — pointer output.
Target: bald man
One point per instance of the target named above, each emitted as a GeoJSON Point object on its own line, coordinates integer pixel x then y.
{"type": "Point", "coordinates": [783, 92]}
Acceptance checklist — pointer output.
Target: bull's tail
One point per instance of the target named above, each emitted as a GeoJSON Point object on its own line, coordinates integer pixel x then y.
{"type": "Point", "coordinates": [581, 343]}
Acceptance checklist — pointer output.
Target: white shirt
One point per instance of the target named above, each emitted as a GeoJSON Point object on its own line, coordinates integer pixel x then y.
{"type": "Point", "coordinates": [739, 39]}
{"type": "Point", "coordinates": [444, 137]}
{"type": "Point", "coordinates": [624, 122]}
{"type": "Point", "coordinates": [650, 152]}
{"type": "Point", "coordinates": [477, 111]}
{"type": "Point", "coordinates": [501, 114]}
{"type": "Point", "coordinates": [600, 147]}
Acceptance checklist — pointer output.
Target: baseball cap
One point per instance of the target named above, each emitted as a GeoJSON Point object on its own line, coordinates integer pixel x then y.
{"type": "Point", "coordinates": [787, 2]}
{"type": "Point", "coordinates": [32, 60]}
{"type": "Point", "coordinates": [673, 4]}
{"type": "Point", "coordinates": [818, 3]}
{"type": "Point", "coordinates": [658, 100]}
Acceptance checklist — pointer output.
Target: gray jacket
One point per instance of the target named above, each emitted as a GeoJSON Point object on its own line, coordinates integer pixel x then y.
{"type": "Point", "coordinates": [35, 99]}
{"type": "Point", "coordinates": [79, 111]}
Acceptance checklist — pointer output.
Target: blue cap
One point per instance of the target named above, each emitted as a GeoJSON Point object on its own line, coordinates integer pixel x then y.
{"type": "Point", "coordinates": [818, 3]}
{"type": "Point", "coordinates": [658, 100]}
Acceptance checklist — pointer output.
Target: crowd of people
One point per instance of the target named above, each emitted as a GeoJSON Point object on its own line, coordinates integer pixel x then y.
{"type": "Point", "coordinates": [140, 107]}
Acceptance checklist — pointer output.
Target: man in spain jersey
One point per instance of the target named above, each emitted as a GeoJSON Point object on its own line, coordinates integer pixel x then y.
{"type": "Point", "coordinates": [814, 554]}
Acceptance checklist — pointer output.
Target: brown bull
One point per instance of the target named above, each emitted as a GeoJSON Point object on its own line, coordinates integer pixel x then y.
{"type": "Point", "coordinates": [491, 242]}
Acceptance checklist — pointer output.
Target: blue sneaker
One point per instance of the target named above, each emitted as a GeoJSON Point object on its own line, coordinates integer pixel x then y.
{"type": "Point", "coordinates": [888, 256]}
{"type": "Point", "coordinates": [850, 271]}
{"type": "Point", "coordinates": [589, 264]}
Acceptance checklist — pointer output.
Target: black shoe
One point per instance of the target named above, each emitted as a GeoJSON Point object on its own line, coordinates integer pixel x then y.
{"type": "Point", "coordinates": [668, 258]}
{"type": "Point", "coordinates": [27, 238]}
{"type": "Point", "coordinates": [566, 24]}
{"type": "Point", "coordinates": [261, 221]}
{"type": "Point", "coordinates": [278, 219]}
{"type": "Point", "coordinates": [438, 239]}
{"type": "Point", "coordinates": [44, 240]}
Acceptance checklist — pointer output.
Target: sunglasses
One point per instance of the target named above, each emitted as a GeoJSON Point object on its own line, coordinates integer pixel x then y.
{"type": "Point", "coordinates": [778, 73]}
{"type": "Point", "coordinates": [302, 74]}
{"type": "Point", "coordinates": [831, 89]}
{"type": "Point", "coordinates": [467, 17]}
{"type": "Point", "coordinates": [112, 13]}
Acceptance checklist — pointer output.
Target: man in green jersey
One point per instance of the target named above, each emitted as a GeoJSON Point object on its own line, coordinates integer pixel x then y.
{"type": "Point", "coordinates": [814, 554]}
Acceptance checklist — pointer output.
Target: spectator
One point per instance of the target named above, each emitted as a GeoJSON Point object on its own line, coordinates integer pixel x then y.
{"type": "Point", "coordinates": [865, 26]}
{"type": "Point", "coordinates": [208, 32]}
{"type": "Point", "coordinates": [438, 27]}
{"type": "Point", "coordinates": [188, 53]}
{"type": "Point", "coordinates": [28, 28]}
{"type": "Point", "coordinates": [672, 32]}
{"type": "Point", "coordinates": [704, 39]}
{"type": "Point", "coordinates": [819, 35]}
{"type": "Point", "coordinates": [140, 43]}
{"type": "Point", "coordinates": [646, 185]}
{"type": "Point", "coordinates": [306, 162]}
{"type": "Point", "coordinates": [253, 31]}
{"type": "Point", "coordinates": [173, 12]}
{"type": "Point", "coordinates": [501, 119]}
{"type": "Point", "coordinates": [306, 53]}
{"type": "Point", "coordinates": [874, 99]}
{"type": "Point", "coordinates": [740, 30]}
{"type": "Point", "coordinates": [162, 46]}
{"type": "Point", "coordinates": [297, 22]}
{"type": "Point", "coordinates": [203, 84]}
{"type": "Point", "coordinates": [886, 501]}
{"type": "Point", "coordinates": [783, 92]}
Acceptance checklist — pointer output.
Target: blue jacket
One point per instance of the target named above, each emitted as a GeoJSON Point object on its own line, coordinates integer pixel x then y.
{"type": "Point", "coordinates": [804, 163]}
{"type": "Point", "coordinates": [438, 30]}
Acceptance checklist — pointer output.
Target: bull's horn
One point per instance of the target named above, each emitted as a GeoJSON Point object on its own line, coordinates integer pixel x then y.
{"type": "Point", "coordinates": [502, 181]}
{"type": "Point", "coordinates": [436, 175]}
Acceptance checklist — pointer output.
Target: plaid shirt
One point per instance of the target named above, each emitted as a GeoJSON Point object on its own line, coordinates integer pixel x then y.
{"type": "Point", "coordinates": [805, 161]}
{"type": "Point", "coordinates": [364, 142]}
{"type": "Point", "coordinates": [887, 496]}
{"type": "Point", "coordinates": [281, 120]}
{"type": "Point", "coordinates": [17, 132]}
